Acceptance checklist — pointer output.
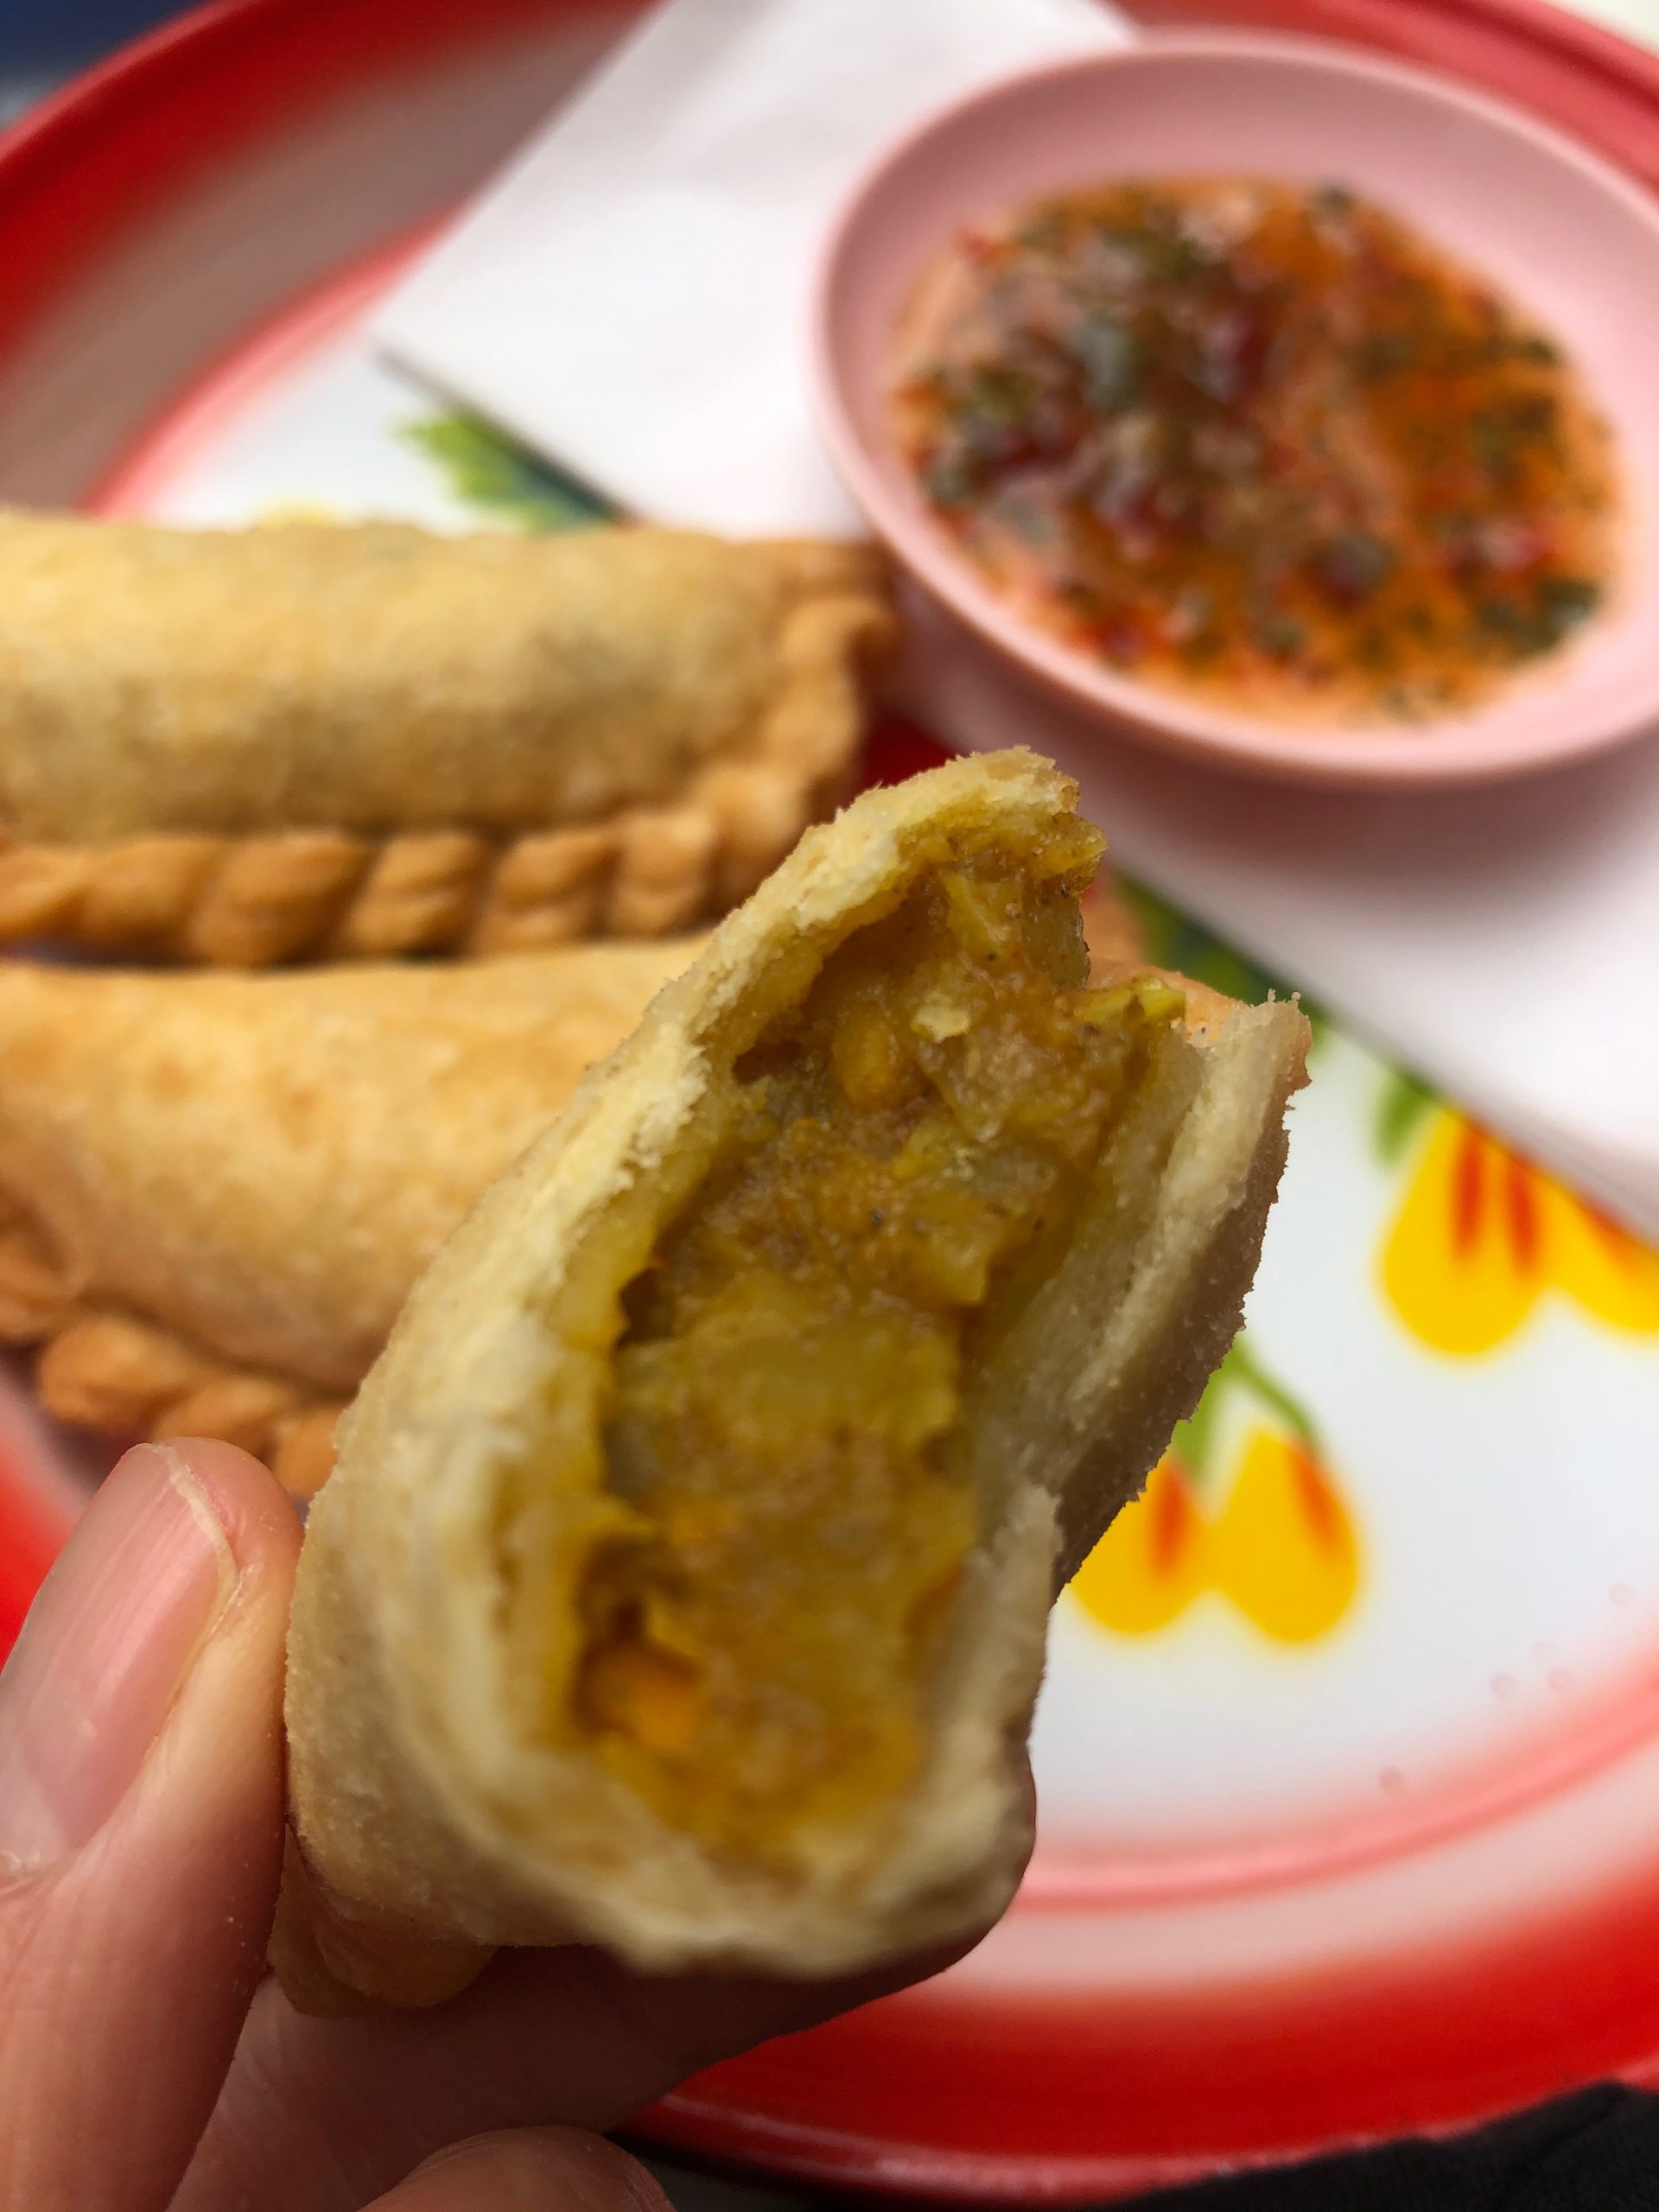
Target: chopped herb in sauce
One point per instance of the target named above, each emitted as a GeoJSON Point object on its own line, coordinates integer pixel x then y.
{"type": "Point", "coordinates": [1264, 441]}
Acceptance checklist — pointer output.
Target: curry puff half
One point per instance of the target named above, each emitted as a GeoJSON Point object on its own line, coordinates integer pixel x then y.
{"type": "Point", "coordinates": [682, 1582]}
{"type": "Point", "coordinates": [308, 741]}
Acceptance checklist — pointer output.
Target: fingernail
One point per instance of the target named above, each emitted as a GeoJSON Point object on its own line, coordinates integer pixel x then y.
{"type": "Point", "coordinates": [104, 1652]}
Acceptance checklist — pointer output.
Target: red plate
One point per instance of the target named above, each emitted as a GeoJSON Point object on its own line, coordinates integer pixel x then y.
{"type": "Point", "coordinates": [181, 229]}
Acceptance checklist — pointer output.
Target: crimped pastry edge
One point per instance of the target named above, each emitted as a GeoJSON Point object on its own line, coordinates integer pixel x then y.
{"type": "Point", "coordinates": [115, 1375]}
{"type": "Point", "coordinates": [254, 900]}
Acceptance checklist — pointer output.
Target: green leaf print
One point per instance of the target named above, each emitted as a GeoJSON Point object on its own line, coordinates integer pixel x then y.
{"type": "Point", "coordinates": [1404, 1101]}
{"type": "Point", "coordinates": [487, 471]}
{"type": "Point", "coordinates": [1174, 940]}
{"type": "Point", "coordinates": [1197, 1442]}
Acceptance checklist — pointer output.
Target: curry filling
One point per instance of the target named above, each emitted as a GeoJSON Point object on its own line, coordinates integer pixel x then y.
{"type": "Point", "coordinates": [905, 1161]}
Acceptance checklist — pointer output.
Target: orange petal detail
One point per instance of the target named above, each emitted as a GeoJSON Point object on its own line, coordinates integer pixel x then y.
{"type": "Point", "coordinates": [1483, 1234]}
{"type": "Point", "coordinates": [1283, 1549]}
{"type": "Point", "coordinates": [1152, 1562]}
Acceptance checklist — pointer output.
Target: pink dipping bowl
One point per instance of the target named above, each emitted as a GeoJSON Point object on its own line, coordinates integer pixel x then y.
{"type": "Point", "coordinates": [1574, 242]}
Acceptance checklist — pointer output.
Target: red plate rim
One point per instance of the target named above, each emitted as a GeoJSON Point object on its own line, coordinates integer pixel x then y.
{"type": "Point", "coordinates": [1586, 78]}
{"type": "Point", "coordinates": [84, 168]}
{"type": "Point", "coordinates": [88, 163]}
{"type": "Point", "coordinates": [85, 163]}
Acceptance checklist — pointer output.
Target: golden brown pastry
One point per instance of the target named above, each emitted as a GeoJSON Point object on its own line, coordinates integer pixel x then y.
{"type": "Point", "coordinates": [246, 747]}
{"type": "Point", "coordinates": [680, 1584]}
{"type": "Point", "coordinates": [216, 1190]}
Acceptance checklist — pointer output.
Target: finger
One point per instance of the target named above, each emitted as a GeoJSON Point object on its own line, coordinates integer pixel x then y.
{"type": "Point", "coordinates": [140, 1798]}
{"type": "Point", "coordinates": [317, 2115]}
{"type": "Point", "coordinates": [535, 2169]}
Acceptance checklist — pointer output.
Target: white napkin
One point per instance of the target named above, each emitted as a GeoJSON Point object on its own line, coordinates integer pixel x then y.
{"type": "Point", "coordinates": [630, 297]}
{"type": "Point", "coordinates": [1502, 943]}
{"type": "Point", "coordinates": [628, 300]}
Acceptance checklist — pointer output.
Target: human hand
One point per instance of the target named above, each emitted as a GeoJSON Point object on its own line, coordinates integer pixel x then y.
{"type": "Point", "coordinates": [146, 2061]}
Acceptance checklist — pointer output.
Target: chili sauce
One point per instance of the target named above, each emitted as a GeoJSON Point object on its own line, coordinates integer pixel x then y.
{"type": "Point", "coordinates": [1258, 440]}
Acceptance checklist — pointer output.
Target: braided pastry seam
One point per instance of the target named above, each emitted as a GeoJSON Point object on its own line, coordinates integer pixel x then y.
{"type": "Point", "coordinates": [99, 1367]}
{"type": "Point", "coordinates": [256, 901]}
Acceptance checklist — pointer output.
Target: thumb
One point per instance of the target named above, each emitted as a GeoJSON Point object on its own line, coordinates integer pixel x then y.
{"type": "Point", "coordinates": [141, 1813]}
{"type": "Point", "coordinates": [530, 2169]}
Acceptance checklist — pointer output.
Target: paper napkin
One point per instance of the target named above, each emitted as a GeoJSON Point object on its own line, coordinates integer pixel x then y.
{"type": "Point", "coordinates": [629, 300]}
{"type": "Point", "coordinates": [1502, 942]}
{"type": "Point", "coordinates": [630, 297]}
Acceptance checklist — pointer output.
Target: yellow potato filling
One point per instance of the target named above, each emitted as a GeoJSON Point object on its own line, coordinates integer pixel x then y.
{"type": "Point", "coordinates": [788, 1517]}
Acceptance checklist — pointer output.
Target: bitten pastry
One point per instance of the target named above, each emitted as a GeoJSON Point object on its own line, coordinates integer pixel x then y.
{"type": "Point", "coordinates": [216, 1190]}
{"type": "Point", "coordinates": [301, 741]}
{"type": "Point", "coordinates": [680, 1584]}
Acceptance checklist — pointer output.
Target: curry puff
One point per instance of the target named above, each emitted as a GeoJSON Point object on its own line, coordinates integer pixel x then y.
{"type": "Point", "coordinates": [682, 1580]}
{"type": "Point", "coordinates": [300, 741]}
{"type": "Point", "coordinates": [216, 1190]}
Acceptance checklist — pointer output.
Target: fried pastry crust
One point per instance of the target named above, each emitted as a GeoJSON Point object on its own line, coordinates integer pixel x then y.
{"type": "Point", "coordinates": [301, 741]}
{"type": "Point", "coordinates": [216, 1190]}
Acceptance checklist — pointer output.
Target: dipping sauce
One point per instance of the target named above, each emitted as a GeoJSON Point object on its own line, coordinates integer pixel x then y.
{"type": "Point", "coordinates": [1259, 441]}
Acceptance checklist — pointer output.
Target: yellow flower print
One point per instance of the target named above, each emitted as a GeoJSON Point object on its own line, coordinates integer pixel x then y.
{"type": "Point", "coordinates": [1282, 1547]}
{"type": "Point", "coordinates": [1286, 1550]}
{"type": "Point", "coordinates": [1152, 1562]}
{"type": "Point", "coordinates": [1482, 1235]}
